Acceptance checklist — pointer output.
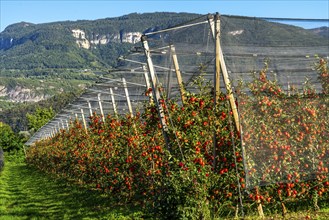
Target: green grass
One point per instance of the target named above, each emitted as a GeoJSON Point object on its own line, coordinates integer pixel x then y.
{"type": "Point", "coordinates": [26, 193]}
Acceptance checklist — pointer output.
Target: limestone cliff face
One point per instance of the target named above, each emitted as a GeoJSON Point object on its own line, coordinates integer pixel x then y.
{"type": "Point", "coordinates": [20, 94]}
{"type": "Point", "coordinates": [88, 41]}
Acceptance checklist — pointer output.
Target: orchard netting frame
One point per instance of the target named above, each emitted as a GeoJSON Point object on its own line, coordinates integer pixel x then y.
{"type": "Point", "coordinates": [282, 100]}
{"type": "Point", "coordinates": [249, 49]}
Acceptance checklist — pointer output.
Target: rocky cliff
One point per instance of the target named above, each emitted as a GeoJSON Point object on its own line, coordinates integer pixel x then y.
{"type": "Point", "coordinates": [95, 39]}
{"type": "Point", "coordinates": [22, 94]}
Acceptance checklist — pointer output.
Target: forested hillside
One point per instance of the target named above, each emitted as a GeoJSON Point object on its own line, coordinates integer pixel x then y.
{"type": "Point", "coordinates": [96, 44]}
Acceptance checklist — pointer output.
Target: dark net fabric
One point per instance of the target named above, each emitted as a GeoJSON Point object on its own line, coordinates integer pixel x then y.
{"type": "Point", "coordinates": [283, 105]}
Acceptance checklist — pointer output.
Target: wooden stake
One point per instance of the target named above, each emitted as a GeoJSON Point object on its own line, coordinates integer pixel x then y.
{"type": "Point", "coordinates": [217, 59]}
{"type": "Point", "coordinates": [155, 91]}
{"type": "Point", "coordinates": [178, 73]}
{"type": "Point", "coordinates": [230, 92]}
{"type": "Point", "coordinates": [224, 72]}
{"type": "Point", "coordinates": [215, 29]}
{"type": "Point", "coordinates": [169, 76]}
{"type": "Point", "coordinates": [62, 124]}
{"type": "Point", "coordinates": [84, 121]}
{"type": "Point", "coordinates": [127, 97]}
{"type": "Point", "coordinates": [113, 103]}
{"type": "Point", "coordinates": [100, 106]}
{"type": "Point", "coordinates": [90, 109]}
{"type": "Point", "coordinates": [260, 209]}
{"type": "Point", "coordinates": [147, 81]}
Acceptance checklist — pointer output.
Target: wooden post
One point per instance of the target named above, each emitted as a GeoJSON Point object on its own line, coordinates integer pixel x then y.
{"type": "Point", "coordinates": [127, 97]}
{"type": "Point", "coordinates": [84, 121]}
{"type": "Point", "coordinates": [67, 124]}
{"type": "Point", "coordinates": [156, 94]}
{"type": "Point", "coordinates": [90, 109]}
{"type": "Point", "coordinates": [178, 73]}
{"type": "Point", "coordinates": [100, 106]}
{"type": "Point", "coordinates": [62, 124]}
{"type": "Point", "coordinates": [217, 60]}
{"type": "Point", "coordinates": [211, 24]}
{"type": "Point", "coordinates": [224, 69]}
{"type": "Point", "coordinates": [215, 29]}
{"type": "Point", "coordinates": [259, 204]}
{"type": "Point", "coordinates": [230, 92]}
{"type": "Point", "coordinates": [147, 82]}
{"type": "Point", "coordinates": [288, 86]}
{"type": "Point", "coordinates": [113, 103]}
{"type": "Point", "coordinates": [169, 76]}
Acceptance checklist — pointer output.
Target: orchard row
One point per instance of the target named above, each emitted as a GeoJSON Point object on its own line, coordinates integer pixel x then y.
{"type": "Point", "coordinates": [201, 168]}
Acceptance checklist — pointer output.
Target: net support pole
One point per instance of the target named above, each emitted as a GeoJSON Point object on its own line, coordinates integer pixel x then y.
{"type": "Point", "coordinates": [169, 76]}
{"type": "Point", "coordinates": [217, 59]}
{"type": "Point", "coordinates": [63, 126]}
{"type": "Point", "coordinates": [113, 103]}
{"type": "Point", "coordinates": [230, 92]}
{"type": "Point", "coordinates": [147, 82]}
{"type": "Point", "coordinates": [178, 73]}
{"type": "Point", "coordinates": [84, 120]}
{"type": "Point", "coordinates": [90, 109]}
{"type": "Point", "coordinates": [222, 64]}
{"type": "Point", "coordinates": [127, 97]}
{"type": "Point", "coordinates": [155, 91]}
{"type": "Point", "coordinates": [214, 23]}
{"type": "Point", "coordinates": [100, 106]}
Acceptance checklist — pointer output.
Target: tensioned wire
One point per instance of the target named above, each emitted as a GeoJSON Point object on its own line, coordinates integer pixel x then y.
{"type": "Point", "coordinates": [180, 26]}
{"type": "Point", "coordinates": [235, 160]}
{"type": "Point", "coordinates": [170, 118]}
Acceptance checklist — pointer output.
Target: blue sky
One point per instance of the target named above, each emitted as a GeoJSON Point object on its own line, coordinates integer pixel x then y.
{"type": "Point", "coordinates": [43, 11]}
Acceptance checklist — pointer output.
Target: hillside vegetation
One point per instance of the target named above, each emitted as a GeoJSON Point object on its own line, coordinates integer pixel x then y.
{"type": "Point", "coordinates": [27, 46]}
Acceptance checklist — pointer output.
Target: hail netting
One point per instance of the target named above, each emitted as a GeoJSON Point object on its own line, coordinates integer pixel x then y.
{"type": "Point", "coordinates": [281, 139]}
{"type": "Point", "coordinates": [193, 46]}
{"type": "Point", "coordinates": [285, 131]}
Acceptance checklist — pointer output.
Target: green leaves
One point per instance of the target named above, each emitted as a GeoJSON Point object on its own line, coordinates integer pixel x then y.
{"type": "Point", "coordinates": [40, 117]}
{"type": "Point", "coordinates": [8, 139]}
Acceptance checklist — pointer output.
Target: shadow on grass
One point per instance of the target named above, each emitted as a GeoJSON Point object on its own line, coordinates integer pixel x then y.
{"type": "Point", "coordinates": [27, 193]}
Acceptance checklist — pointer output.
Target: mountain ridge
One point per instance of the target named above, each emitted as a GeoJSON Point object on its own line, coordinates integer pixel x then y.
{"type": "Point", "coordinates": [60, 44]}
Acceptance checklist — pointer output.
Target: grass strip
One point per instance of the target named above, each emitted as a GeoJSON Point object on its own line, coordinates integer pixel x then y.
{"type": "Point", "coordinates": [26, 193]}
